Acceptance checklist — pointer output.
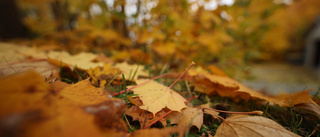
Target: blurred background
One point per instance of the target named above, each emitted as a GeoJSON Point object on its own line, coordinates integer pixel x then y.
{"type": "Point", "coordinates": [269, 45]}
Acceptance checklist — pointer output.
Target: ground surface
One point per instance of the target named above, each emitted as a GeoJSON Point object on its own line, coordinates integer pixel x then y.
{"type": "Point", "coordinates": [280, 77]}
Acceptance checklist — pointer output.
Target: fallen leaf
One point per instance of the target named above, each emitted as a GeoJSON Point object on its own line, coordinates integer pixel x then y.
{"type": "Point", "coordinates": [131, 72]}
{"type": "Point", "coordinates": [82, 60]}
{"type": "Point", "coordinates": [187, 117]}
{"type": "Point", "coordinates": [34, 109]}
{"type": "Point", "coordinates": [12, 52]}
{"type": "Point", "coordinates": [253, 126]}
{"type": "Point", "coordinates": [227, 87]}
{"type": "Point", "coordinates": [27, 96]}
{"type": "Point", "coordinates": [58, 85]}
{"type": "Point", "coordinates": [102, 75]}
{"type": "Point", "coordinates": [164, 132]}
{"type": "Point", "coordinates": [285, 100]}
{"type": "Point", "coordinates": [139, 114]}
{"type": "Point", "coordinates": [311, 107]}
{"type": "Point", "coordinates": [192, 116]}
{"type": "Point", "coordinates": [215, 70]}
{"type": "Point", "coordinates": [41, 66]}
{"type": "Point", "coordinates": [155, 97]}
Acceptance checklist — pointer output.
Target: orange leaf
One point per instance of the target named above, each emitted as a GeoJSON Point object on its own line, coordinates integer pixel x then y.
{"type": "Point", "coordinates": [77, 110]}
{"type": "Point", "coordinates": [227, 87]}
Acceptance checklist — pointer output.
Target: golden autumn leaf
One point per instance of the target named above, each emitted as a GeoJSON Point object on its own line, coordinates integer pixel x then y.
{"type": "Point", "coordinates": [82, 60]}
{"type": "Point", "coordinates": [155, 97]}
{"type": "Point", "coordinates": [131, 72]}
{"type": "Point", "coordinates": [41, 66]}
{"type": "Point", "coordinates": [253, 126]}
{"type": "Point", "coordinates": [75, 110]}
{"type": "Point", "coordinates": [165, 132]}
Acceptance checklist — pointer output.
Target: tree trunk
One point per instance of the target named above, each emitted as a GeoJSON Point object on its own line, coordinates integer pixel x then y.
{"type": "Point", "coordinates": [11, 25]}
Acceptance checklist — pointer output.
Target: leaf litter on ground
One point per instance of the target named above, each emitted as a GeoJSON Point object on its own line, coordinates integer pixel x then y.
{"type": "Point", "coordinates": [82, 107]}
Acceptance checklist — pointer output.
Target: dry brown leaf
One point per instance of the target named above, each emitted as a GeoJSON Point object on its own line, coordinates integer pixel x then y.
{"type": "Point", "coordinates": [139, 114]}
{"type": "Point", "coordinates": [192, 116]}
{"type": "Point", "coordinates": [311, 107]}
{"type": "Point", "coordinates": [130, 70]}
{"type": "Point", "coordinates": [187, 117]}
{"type": "Point", "coordinates": [253, 126]}
{"type": "Point", "coordinates": [208, 110]}
{"type": "Point", "coordinates": [77, 110]}
{"type": "Point", "coordinates": [155, 97]}
{"type": "Point", "coordinates": [164, 132]}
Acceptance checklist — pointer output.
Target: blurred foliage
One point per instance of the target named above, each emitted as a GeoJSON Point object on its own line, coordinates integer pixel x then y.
{"type": "Point", "coordinates": [165, 31]}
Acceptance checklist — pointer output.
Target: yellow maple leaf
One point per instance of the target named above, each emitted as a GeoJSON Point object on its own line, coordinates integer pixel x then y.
{"type": "Point", "coordinates": [131, 72]}
{"type": "Point", "coordinates": [155, 97]}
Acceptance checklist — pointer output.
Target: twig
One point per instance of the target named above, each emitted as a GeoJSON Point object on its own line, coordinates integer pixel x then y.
{"type": "Point", "coordinates": [182, 74]}
{"type": "Point", "coordinates": [158, 119]}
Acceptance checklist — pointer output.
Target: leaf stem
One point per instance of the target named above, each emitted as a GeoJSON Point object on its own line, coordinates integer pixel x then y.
{"type": "Point", "coordinates": [231, 112]}
{"type": "Point", "coordinates": [182, 74]}
{"type": "Point", "coordinates": [191, 98]}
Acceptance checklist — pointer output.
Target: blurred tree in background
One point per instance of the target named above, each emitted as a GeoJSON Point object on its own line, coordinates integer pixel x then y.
{"type": "Point", "coordinates": [165, 31]}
